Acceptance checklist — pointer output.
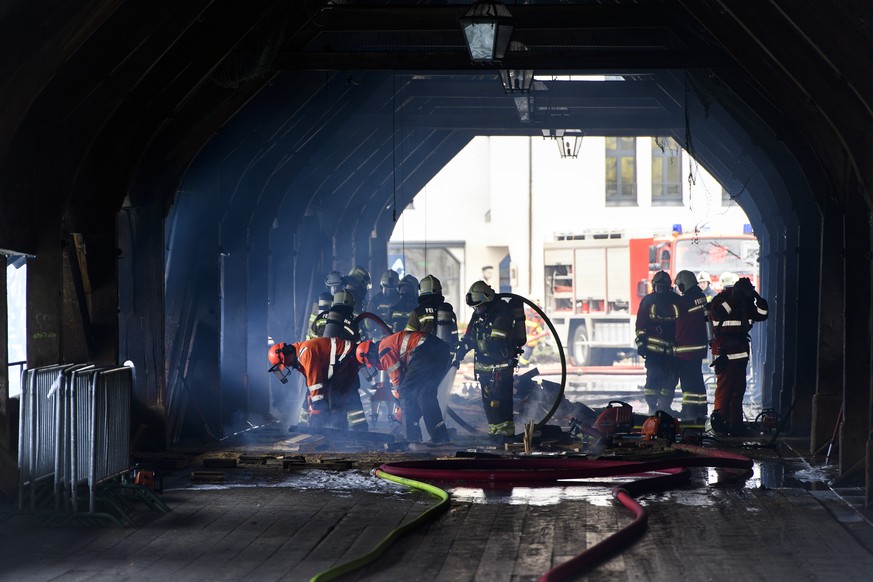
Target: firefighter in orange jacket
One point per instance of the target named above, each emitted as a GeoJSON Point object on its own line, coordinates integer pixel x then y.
{"type": "Point", "coordinates": [733, 311]}
{"type": "Point", "coordinates": [691, 345]}
{"type": "Point", "coordinates": [328, 364]}
{"type": "Point", "coordinates": [416, 362]}
{"type": "Point", "coordinates": [656, 329]}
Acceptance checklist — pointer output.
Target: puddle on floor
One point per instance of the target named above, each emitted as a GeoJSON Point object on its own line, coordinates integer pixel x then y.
{"type": "Point", "coordinates": [337, 481]}
{"type": "Point", "coordinates": [777, 473]}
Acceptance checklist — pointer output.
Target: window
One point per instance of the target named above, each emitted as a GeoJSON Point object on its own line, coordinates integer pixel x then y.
{"type": "Point", "coordinates": [621, 171]}
{"type": "Point", "coordinates": [666, 172]}
{"type": "Point", "coordinates": [16, 331]}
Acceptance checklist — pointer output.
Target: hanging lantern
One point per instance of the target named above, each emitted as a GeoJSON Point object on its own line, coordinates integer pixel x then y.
{"type": "Point", "coordinates": [487, 29]}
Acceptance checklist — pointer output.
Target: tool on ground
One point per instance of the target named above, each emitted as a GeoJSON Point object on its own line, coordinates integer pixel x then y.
{"type": "Point", "coordinates": [768, 420]}
{"type": "Point", "coordinates": [618, 419]}
{"type": "Point", "coordinates": [661, 426]}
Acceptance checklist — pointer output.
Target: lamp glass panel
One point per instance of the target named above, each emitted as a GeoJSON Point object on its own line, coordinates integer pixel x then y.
{"type": "Point", "coordinates": [480, 40]}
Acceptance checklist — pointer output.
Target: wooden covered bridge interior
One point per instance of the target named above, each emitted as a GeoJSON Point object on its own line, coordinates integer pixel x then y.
{"type": "Point", "coordinates": [179, 176]}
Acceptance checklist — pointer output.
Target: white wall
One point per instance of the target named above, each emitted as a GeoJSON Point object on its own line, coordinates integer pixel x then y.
{"type": "Point", "coordinates": [502, 174]}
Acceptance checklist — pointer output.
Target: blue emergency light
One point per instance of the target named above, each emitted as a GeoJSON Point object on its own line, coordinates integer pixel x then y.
{"type": "Point", "coordinates": [677, 228]}
{"type": "Point", "coordinates": [747, 229]}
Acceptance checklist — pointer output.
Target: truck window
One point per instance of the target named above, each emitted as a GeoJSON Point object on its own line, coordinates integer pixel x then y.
{"type": "Point", "coordinates": [717, 255]}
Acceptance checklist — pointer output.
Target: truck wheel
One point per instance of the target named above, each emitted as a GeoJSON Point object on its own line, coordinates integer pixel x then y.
{"type": "Point", "coordinates": [580, 351]}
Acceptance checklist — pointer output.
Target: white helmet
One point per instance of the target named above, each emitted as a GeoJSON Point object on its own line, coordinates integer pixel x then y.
{"type": "Point", "coordinates": [703, 277]}
{"type": "Point", "coordinates": [728, 279]}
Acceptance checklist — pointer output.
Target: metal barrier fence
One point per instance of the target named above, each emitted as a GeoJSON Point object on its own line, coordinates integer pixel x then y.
{"type": "Point", "coordinates": [100, 428]}
{"type": "Point", "coordinates": [37, 432]}
{"type": "Point", "coordinates": [76, 427]}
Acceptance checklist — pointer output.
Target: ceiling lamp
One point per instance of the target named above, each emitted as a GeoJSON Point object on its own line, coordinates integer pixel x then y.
{"type": "Point", "coordinates": [524, 107]}
{"type": "Point", "coordinates": [568, 145]}
{"type": "Point", "coordinates": [487, 28]}
{"type": "Point", "coordinates": [516, 80]}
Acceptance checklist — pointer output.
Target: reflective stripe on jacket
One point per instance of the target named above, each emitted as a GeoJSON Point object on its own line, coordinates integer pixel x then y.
{"type": "Point", "coordinates": [691, 340]}
{"type": "Point", "coordinates": [326, 365]}
{"type": "Point", "coordinates": [732, 319]}
{"type": "Point", "coordinates": [395, 353]}
{"type": "Point", "coordinates": [656, 322]}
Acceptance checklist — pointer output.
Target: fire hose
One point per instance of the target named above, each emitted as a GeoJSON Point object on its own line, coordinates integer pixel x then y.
{"type": "Point", "coordinates": [374, 318]}
{"type": "Point", "coordinates": [560, 395]}
{"type": "Point", "coordinates": [669, 473]}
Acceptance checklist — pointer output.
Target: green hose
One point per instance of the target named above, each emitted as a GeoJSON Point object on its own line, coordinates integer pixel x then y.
{"type": "Point", "coordinates": [377, 551]}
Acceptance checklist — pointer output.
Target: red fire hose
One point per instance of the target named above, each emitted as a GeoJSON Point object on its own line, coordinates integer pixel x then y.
{"type": "Point", "coordinates": [374, 318]}
{"type": "Point", "coordinates": [671, 472]}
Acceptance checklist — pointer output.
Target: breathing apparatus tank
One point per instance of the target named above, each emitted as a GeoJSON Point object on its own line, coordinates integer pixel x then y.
{"type": "Point", "coordinates": [339, 318]}
{"type": "Point", "coordinates": [446, 327]}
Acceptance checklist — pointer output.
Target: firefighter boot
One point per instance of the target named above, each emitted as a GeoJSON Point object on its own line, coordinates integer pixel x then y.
{"type": "Point", "coordinates": [413, 432]}
{"type": "Point", "coordinates": [665, 401]}
{"type": "Point", "coordinates": [652, 402]}
{"type": "Point", "coordinates": [717, 424]}
{"type": "Point", "coordinates": [439, 433]}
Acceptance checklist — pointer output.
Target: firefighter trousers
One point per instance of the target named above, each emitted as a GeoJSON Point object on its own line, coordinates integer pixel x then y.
{"type": "Point", "coordinates": [693, 387]}
{"type": "Point", "coordinates": [418, 390]}
{"type": "Point", "coordinates": [730, 388]}
{"type": "Point", "coordinates": [497, 399]}
{"type": "Point", "coordinates": [661, 379]}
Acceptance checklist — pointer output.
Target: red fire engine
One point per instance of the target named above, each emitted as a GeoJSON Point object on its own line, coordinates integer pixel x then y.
{"type": "Point", "coordinates": [594, 282]}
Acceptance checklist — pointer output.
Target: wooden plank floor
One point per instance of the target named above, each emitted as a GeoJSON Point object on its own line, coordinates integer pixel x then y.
{"type": "Point", "coordinates": [287, 531]}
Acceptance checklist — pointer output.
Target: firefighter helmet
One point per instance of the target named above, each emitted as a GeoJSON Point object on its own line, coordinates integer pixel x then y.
{"type": "Point", "coordinates": [661, 282]}
{"type": "Point", "coordinates": [346, 298]}
{"type": "Point", "coordinates": [276, 355]}
{"type": "Point", "coordinates": [334, 281]}
{"type": "Point", "coordinates": [356, 287]}
{"type": "Point", "coordinates": [703, 277]}
{"type": "Point", "coordinates": [390, 279]}
{"type": "Point", "coordinates": [366, 352]}
{"type": "Point", "coordinates": [361, 274]}
{"type": "Point", "coordinates": [282, 358]}
{"type": "Point", "coordinates": [430, 285]}
{"type": "Point", "coordinates": [685, 280]}
{"type": "Point", "coordinates": [408, 285]}
{"type": "Point", "coordinates": [728, 279]}
{"type": "Point", "coordinates": [480, 292]}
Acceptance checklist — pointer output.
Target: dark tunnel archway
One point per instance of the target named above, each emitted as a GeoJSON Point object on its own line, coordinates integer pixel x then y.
{"type": "Point", "coordinates": [306, 177]}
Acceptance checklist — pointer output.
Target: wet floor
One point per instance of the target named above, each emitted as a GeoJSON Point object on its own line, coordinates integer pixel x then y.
{"type": "Point", "coordinates": [272, 521]}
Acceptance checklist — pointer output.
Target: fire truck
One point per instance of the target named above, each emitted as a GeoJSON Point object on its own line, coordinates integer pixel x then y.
{"type": "Point", "coordinates": [594, 282]}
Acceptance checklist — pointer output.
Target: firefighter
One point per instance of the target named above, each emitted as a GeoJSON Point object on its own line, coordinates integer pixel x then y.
{"type": "Point", "coordinates": [331, 373]}
{"type": "Point", "coordinates": [705, 282]}
{"type": "Point", "coordinates": [491, 334]}
{"type": "Point", "coordinates": [416, 362]}
{"type": "Point", "coordinates": [358, 282]}
{"type": "Point", "coordinates": [655, 327]}
{"type": "Point", "coordinates": [381, 303]}
{"type": "Point", "coordinates": [334, 281]}
{"type": "Point", "coordinates": [433, 315]}
{"type": "Point", "coordinates": [691, 345]}
{"type": "Point", "coordinates": [407, 290]}
{"type": "Point", "coordinates": [338, 321]}
{"type": "Point", "coordinates": [733, 312]}
{"type": "Point", "coordinates": [321, 308]}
